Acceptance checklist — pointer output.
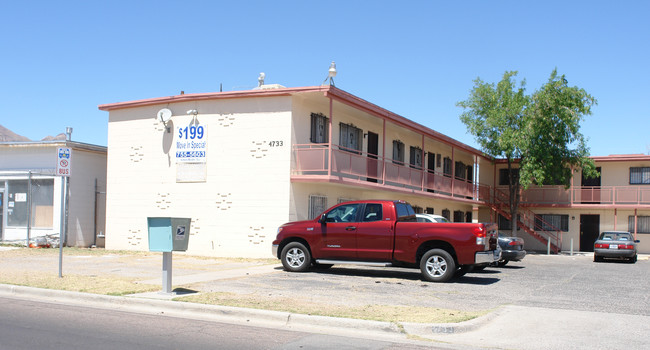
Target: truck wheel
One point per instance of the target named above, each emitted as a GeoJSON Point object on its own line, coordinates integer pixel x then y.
{"type": "Point", "coordinates": [295, 257]}
{"type": "Point", "coordinates": [437, 265]}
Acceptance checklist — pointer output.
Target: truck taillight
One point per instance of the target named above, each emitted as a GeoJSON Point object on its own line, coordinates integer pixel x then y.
{"type": "Point", "coordinates": [479, 232]}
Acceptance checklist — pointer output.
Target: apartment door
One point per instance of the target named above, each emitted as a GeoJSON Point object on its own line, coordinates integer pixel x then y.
{"type": "Point", "coordinates": [431, 169]}
{"type": "Point", "coordinates": [373, 151]}
{"type": "Point", "coordinates": [591, 191]}
{"type": "Point", "coordinates": [589, 230]}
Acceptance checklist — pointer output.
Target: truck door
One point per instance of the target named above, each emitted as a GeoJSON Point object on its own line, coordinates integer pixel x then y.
{"type": "Point", "coordinates": [375, 234]}
{"type": "Point", "coordinates": [339, 232]}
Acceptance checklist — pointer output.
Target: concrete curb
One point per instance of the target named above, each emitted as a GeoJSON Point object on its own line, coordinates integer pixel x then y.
{"type": "Point", "coordinates": [243, 316]}
{"type": "Point", "coordinates": [430, 329]}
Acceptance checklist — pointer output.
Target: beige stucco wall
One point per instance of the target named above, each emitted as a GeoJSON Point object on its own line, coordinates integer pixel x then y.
{"type": "Point", "coordinates": [245, 195]}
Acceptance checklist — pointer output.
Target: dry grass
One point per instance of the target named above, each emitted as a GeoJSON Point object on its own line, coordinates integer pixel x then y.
{"type": "Point", "coordinates": [76, 283]}
{"type": "Point", "coordinates": [386, 313]}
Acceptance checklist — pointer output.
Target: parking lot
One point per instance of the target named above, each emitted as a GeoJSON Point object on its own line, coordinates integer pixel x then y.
{"type": "Point", "coordinates": [562, 282]}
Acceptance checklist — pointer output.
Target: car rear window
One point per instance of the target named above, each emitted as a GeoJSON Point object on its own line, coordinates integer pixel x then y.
{"type": "Point", "coordinates": [404, 210]}
{"type": "Point", "coordinates": [615, 236]}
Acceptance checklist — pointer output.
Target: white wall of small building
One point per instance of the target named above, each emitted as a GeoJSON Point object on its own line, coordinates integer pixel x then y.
{"type": "Point", "coordinates": [40, 159]}
{"type": "Point", "coordinates": [88, 169]}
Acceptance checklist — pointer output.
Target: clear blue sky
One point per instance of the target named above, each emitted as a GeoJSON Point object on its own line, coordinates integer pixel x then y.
{"type": "Point", "coordinates": [60, 59]}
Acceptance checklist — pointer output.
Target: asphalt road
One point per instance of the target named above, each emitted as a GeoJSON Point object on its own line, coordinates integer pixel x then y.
{"type": "Point", "coordinates": [559, 282]}
{"type": "Point", "coordinates": [36, 325]}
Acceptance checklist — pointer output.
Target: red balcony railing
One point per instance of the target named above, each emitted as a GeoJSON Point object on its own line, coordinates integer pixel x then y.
{"type": "Point", "coordinates": [353, 165]}
{"type": "Point", "coordinates": [601, 195]}
{"type": "Point", "coordinates": [313, 159]}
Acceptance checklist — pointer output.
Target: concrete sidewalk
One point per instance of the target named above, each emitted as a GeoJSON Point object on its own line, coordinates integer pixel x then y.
{"type": "Point", "coordinates": [511, 327]}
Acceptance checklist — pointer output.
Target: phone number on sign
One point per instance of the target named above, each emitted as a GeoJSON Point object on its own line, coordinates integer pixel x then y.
{"type": "Point", "coordinates": [190, 154]}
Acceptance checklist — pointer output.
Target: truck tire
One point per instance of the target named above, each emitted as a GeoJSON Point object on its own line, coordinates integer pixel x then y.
{"type": "Point", "coordinates": [295, 257]}
{"type": "Point", "coordinates": [437, 265]}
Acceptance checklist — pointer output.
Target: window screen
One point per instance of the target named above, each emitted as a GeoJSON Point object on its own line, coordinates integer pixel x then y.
{"type": "Point", "coordinates": [350, 137]}
{"type": "Point", "coordinates": [319, 128]}
{"type": "Point", "coordinates": [317, 205]}
{"type": "Point", "coordinates": [415, 157]}
{"type": "Point", "coordinates": [552, 222]}
{"type": "Point", "coordinates": [398, 152]}
{"type": "Point", "coordinates": [642, 224]}
{"type": "Point", "coordinates": [640, 176]}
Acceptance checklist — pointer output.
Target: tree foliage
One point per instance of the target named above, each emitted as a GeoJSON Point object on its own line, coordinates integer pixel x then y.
{"type": "Point", "coordinates": [539, 132]}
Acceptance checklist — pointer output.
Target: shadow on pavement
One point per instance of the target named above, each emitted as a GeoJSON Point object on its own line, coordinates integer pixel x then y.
{"type": "Point", "coordinates": [406, 274]}
{"type": "Point", "coordinates": [183, 291]}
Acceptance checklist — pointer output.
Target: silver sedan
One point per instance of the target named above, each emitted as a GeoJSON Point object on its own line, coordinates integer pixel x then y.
{"type": "Point", "coordinates": [615, 245]}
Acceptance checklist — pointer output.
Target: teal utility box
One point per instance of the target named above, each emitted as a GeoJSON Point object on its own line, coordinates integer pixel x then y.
{"type": "Point", "coordinates": [168, 234]}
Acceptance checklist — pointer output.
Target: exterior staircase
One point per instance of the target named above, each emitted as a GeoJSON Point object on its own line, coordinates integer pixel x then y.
{"type": "Point", "coordinates": [528, 221]}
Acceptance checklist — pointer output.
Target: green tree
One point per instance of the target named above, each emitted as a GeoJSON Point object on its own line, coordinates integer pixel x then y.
{"type": "Point", "coordinates": [538, 135]}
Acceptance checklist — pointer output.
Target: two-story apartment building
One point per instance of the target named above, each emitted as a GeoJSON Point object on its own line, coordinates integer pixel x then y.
{"type": "Point", "coordinates": [241, 163]}
{"type": "Point", "coordinates": [617, 200]}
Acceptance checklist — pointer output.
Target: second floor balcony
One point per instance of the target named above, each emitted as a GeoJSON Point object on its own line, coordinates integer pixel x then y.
{"type": "Point", "coordinates": [312, 162]}
{"type": "Point", "coordinates": [615, 196]}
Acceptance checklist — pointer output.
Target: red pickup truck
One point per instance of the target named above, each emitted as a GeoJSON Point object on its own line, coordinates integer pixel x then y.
{"type": "Point", "coordinates": [385, 233]}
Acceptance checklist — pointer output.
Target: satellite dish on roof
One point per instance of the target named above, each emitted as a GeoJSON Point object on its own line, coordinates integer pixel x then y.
{"type": "Point", "coordinates": [164, 115]}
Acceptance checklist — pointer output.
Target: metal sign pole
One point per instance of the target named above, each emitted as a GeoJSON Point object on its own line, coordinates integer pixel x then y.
{"type": "Point", "coordinates": [62, 229]}
{"type": "Point", "coordinates": [167, 273]}
{"type": "Point", "coordinates": [64, 157]}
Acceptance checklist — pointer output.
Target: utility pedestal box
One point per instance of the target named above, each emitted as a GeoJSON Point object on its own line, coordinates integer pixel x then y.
{"type": "Point", "coordinates": [168, 234]}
